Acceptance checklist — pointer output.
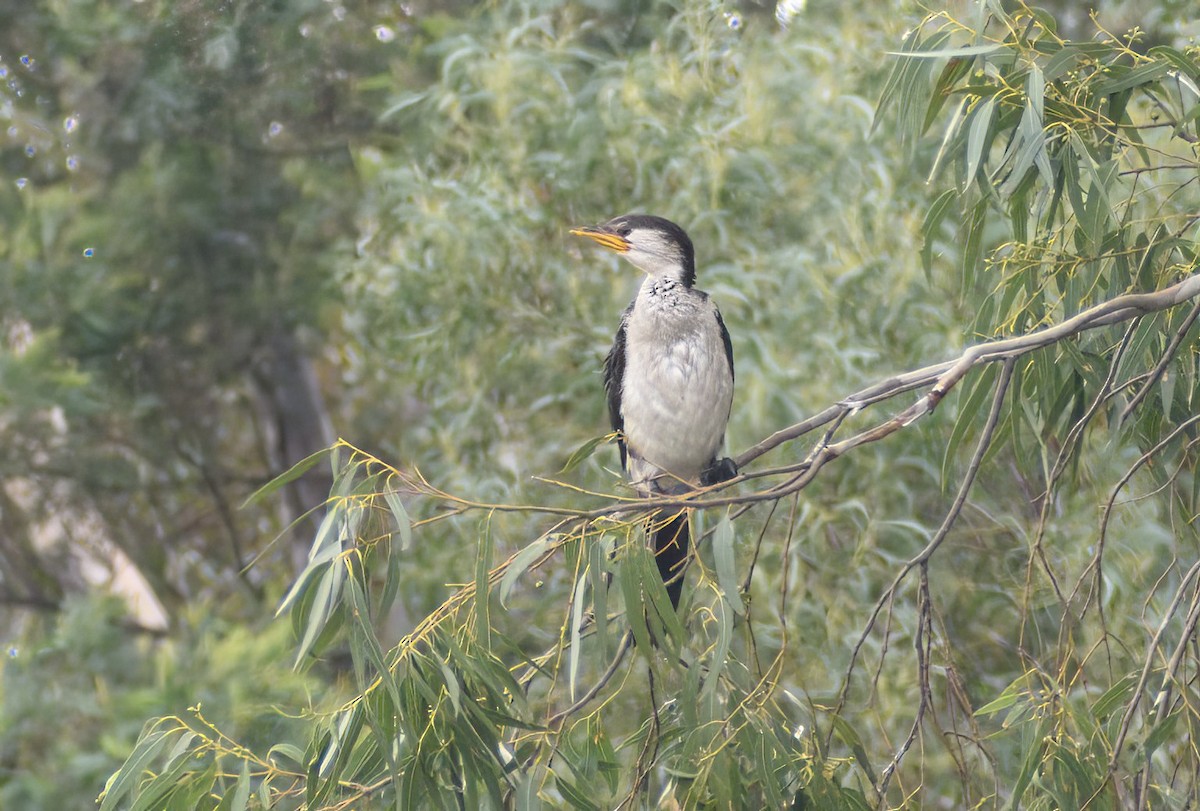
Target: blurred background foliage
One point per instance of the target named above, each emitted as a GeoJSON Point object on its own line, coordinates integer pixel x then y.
{"type": "Point", "coordinates": [235, 231]}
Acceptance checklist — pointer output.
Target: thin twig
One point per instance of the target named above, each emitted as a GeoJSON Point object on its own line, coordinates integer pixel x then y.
{"type": "Point", "coordinates": [1127, 719]}
{"type": "Point", "coordinates": [1161, 366]}
{"type": "Point", "coordinates": [1163, 700]}
{"type": "Point", "coordinates": [923, 643]}
{"type": "Point", "coordinates": [925, 554]}
{"type": "Point", "coordinates": [1106, 513]}
{"type": "Point", "coordinates": [605, 678]}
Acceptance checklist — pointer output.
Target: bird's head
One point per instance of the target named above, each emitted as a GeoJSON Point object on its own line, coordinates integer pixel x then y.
{"type": "Point", "coordinates": [655, 246]}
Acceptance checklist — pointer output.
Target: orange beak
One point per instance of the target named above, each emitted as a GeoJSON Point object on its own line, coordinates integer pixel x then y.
{"type": "Point", "coordinates": [608, 239]}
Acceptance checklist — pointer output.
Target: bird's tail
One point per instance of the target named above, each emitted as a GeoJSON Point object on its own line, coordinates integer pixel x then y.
{"type": "Point", "coordinates": [671, 542]}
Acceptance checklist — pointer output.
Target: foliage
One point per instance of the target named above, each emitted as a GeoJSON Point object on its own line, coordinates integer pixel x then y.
{"type": "Point", "coordinates": [73, 699]}
{"type": "Point", "coordinates": [990, 607]}
{"type": "Point", "coordinates": [760, 693]}
{"type": "Point", "coordinates": [166, 265]}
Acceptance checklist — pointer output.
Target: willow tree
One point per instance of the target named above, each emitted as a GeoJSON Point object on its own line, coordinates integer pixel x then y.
{"type": "Point", "coordinates": [1011, 626]}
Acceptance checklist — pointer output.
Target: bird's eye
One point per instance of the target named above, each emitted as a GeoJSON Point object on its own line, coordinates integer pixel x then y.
{"type": "Point", "coordinates": [624, 231]}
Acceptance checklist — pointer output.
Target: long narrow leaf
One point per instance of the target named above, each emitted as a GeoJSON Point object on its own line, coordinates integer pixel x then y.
{"type": "Point", "coordinates": [291, 474]}
{"type": "Point", "coordinates": [725, 558]}
{"type": "Point", "coordinates": [523, 560]}
{"type": "Point", "coordinates": [328, 590]}
{"type": "Point", "coordinates": [131, 772]}
{"type": "Point", "coordinates": [979, 133]}
{"type": "Point", "coordinates": [576, 621]}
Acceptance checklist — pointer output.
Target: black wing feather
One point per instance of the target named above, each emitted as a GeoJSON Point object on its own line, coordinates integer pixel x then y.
{"type": "Point", "coordinates": [614, 379]}
{"type": "Point", "coordinates": [726, 340]}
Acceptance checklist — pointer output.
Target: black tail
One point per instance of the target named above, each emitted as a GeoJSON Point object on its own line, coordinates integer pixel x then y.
{"type": "Point", "coordinates": [670, 552]}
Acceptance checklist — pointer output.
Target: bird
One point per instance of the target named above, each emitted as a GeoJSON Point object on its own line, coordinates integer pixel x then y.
{"type": "Point", "coordinates": [668, 378]}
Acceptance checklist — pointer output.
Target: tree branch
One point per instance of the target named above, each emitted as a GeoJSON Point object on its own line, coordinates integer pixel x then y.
{"type": "Point", "coordinates": [945, 375]}
{"type": "Point", "coordinates": [922, 557]}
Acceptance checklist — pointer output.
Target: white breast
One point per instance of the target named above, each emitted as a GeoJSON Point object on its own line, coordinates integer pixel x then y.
{"type": "Point", "coordinates": [677, 389]}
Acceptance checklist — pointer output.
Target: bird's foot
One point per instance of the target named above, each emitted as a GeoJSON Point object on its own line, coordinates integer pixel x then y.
{"type": "Point", "coordinates": [721, 470]}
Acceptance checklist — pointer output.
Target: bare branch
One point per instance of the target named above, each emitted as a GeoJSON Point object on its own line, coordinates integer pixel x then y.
{"type": "Point", "coordinates": [1127, 719]}
{"type": "Point", "coordinates": [922, 558]}
{"type": "Point", "coordinates": [923, 643]}
{"type": "Point", "coordinates": [623, 646]}
{"type": "Point", "coordinates": [945, 375]}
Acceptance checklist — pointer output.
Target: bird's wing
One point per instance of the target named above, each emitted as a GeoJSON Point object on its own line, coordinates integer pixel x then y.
{"type": "Point", "coordinates": [729, 357]}
{"type": "Point", "coordinates": [614, 377]}
{"type": "Point", "coordinates": [724, 339]}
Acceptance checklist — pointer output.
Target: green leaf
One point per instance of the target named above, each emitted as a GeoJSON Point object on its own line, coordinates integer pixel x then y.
{"type": "Point", "coordinates": [453, 690]}
{"type": "Point", "coordinates": [1047, 21]}
{"type": "Point", "coordinates": [1098, 212]}
{"type": "Point", "coordinates": [325, 547]}
{"type": "Point", "coordinates": [1061, 63]}
{"type": "Point", "coordinates": [1034, 746]}
{"type": "Point", "coordinates": [182, 748]}
{"type": "Point", "coordinates": [1189, 117]}
{"type": "Point", "coordinates": [583, 452]}
{"type": "Point", "coordinates": [1029, 143]}
{"type": "Point", "coordinates": [849, 736]}
{"type": "Point", "coordinates": [573, 795]}
{"type": "Point", "coordinates": [577, 607]}
{"type": "Point", "coordinates": [979, 133]}
{"type": "Point", "coordinates": [483, 595]}
{"type": "Point", "coordinates": [970, 409]}
{"type": "Point", "coordinates": [726, 562]}
{"type": "Point", "coordinates": [344, 730]}
{"type": "Point", "coordinates": [241, 797]}
{"type": "Point", "coordinates": [400, 515]}
{"type": "Point", "coordinates": [720, 655]}
{"type": "Point", "coordinates": [391, 580]}
{"type": "Point", "coordinates": [291, 474]}
{"type": "Point", "coordinates": [930, 227]}
{"type": "Point", "coordinates": [325, 601]}
{"type": "Point", "coordinates": [403, 102]}
{"type": "Point", "coordinates": [1114, 696]}
{"type": "Point", "coordinates": [170, 783]}
{"type": "Point", "coordinates": [972, 231]}
{"type": "Point", "coordinates": [120, 784]}
{"type": "Point", "coordinates": [1159, 733]}
{"type": "Point", "coordinates": [1014, 692]}
{"type": "Point", "coordinates": [287, 750]}
{"type": "Point", "coordinates": [520, 563]}
{"type": "Point", "coordinates": [766, 768]}
{"type": "Point", "coordinates": [953, 71]}
{"type": "Point", "coordinates": [1126, 78]}
{"type": "Point", "coordinates": [656, 598]}
{"type": "Point", "coordinates": [1178, 59]}
{"type": "Point", "coordinates": [968, 50]}
{"type": "Point", "coordinates": [951, 138]}
{"type": "Point", "coordinates": [630, 575]}
{"type": "Point", "coordinates": [904, 79]}
{"type": "Point", "coordinates": [1166, 386]}
{"type": "Point", "coordinates": [366, 642]}
{"type": "Point", "coordinates": [599, 551]}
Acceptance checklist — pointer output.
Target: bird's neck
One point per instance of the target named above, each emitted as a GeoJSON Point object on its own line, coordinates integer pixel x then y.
{"type": "Point", "coordinates": [663, 271]}
{"type": "Point", "coordinates": [665, 294]}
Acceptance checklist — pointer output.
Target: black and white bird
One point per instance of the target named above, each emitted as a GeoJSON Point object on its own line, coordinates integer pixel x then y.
{"type": "Point", "coordinates": [669, 378]}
